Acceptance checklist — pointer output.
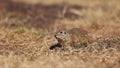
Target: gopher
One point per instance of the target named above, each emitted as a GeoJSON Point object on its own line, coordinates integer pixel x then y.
{"type": "Point", "coordinates": [72, 37]}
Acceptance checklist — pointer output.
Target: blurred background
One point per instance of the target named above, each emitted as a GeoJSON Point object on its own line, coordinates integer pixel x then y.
{"type": "Point", "coordinates": [61, 14]}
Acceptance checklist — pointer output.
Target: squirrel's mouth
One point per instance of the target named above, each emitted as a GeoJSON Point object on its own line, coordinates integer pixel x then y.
{"type": "Point", "coordinates": [59, 39]}
{"type": "Point", "coordinates": [56, 37]}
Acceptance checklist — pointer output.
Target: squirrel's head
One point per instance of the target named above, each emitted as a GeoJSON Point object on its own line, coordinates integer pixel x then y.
{"type": "Point", "coordinates": [62, 36]}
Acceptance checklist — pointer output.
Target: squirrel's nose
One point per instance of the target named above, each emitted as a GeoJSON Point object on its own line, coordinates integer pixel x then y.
{"type": "Point", "coordinates": [55, 36]}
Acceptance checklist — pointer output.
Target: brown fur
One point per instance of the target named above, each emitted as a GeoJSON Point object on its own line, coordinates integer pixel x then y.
{"type": "Point", "coordinates": [72, 37]}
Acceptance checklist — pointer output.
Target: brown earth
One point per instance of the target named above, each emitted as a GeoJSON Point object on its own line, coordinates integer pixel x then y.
{"type": "Point", "coordinates": [24, 28]}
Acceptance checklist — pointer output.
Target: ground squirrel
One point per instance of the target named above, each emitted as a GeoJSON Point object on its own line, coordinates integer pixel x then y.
{"type": "Point", "coordinates": [72, 37]}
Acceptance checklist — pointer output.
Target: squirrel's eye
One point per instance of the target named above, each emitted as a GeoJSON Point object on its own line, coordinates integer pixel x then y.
{"type": "Point", "coordinates": [61, 32]}
{"type": "Point", "coordinates": [64, 32]}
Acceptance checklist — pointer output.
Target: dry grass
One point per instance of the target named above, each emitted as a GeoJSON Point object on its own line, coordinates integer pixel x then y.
{"type": "Point", "coordinates": [26, 34]}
